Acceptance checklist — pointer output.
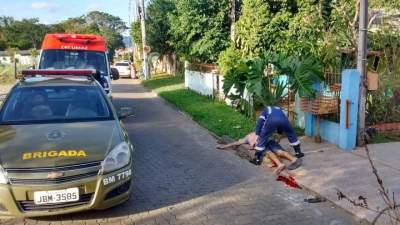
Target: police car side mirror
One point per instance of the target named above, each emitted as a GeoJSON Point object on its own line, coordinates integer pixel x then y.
{"type": "Point", "coordinates": [125, 112]}
{"type": "Point", "coordinates": [114, 74]}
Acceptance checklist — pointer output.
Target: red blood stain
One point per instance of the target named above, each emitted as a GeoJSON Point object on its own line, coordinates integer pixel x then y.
{"type": "Point", "coordinates": [290, 181]}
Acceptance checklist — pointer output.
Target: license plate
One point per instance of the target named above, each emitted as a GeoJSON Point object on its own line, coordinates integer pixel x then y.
{"type": "Point", "coordinates": [56, 196]}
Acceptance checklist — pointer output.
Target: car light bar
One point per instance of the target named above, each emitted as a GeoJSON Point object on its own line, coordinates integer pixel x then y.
{"type": "Point", "coordinates": [59, 72]}
{"type": "Point", "coordinates": [75, 37]}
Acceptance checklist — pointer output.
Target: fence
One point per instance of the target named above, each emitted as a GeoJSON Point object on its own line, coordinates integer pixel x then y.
{"type": "Point", "coordinates": [383, 99]}
{"type": "Point", "coordinates": [331, 116]}
{"type": "Point", "coordinates": [344, 103]}
{"type": "Point", "coordinates": [8, 71]}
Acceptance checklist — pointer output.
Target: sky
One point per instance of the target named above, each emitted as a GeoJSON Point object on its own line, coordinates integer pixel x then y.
{"type": "Point", "coordinates": [53, 11]}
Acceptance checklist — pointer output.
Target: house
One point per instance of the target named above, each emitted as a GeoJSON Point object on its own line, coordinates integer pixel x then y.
{"type": "Point", "coordinates": [24, 57]}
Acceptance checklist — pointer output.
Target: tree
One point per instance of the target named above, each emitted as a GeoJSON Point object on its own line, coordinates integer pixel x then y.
{"type": "Point", "coordinates": [251, 31]}
{"type": "Point", "coordinates": [105, 21]}
{"type": "Point", "coordinates": [29, 33]}
{"type": "Point", "coordinates": [136, 33]}
{"type": "Point", "coordinates": [200, 29]}
{"type": "Point", "coordinates": [305, 30]}
{"type": "Point", "coordinates": [158, 26]}
{"type": "Point", "coordinates": [262, 25]}
{"type": "Point", "coordinates": [104, 24]}
{"type": "Point", "coordinates": [24, 34]}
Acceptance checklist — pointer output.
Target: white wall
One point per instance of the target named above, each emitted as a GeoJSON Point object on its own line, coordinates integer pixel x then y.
{"type": "Point", "coordinates": [25, 60]}
{"type": "Point", "coordinates": [207, 84]}
{"type": "Point", "coordinates": [22, 59]}
{"type": "Point", "coordinates": [202, 83]}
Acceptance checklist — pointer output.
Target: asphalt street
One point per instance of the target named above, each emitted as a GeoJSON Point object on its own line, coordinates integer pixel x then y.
{"type": "Point", "coordinates": [180, 178]}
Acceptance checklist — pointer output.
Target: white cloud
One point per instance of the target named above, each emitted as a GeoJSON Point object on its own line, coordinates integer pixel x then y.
{"type": "Point", "coordinates": [44, 5]}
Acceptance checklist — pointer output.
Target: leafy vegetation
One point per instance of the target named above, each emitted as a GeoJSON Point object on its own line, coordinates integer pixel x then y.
{"type": "Point", "coordinates": [24, 34]}
{"type": "Point", "coordinates": [252, 34]}
{"type": "Point", "coordinates": [7, 74]}
{"type": "Point", "coordinates": [297, 39]}
{"type": "Point", "coordinates": [200, 29]}
{"type": "Point", "coordinates": [104, 24]}
{"type": "Point", "coordinates": [29, 33]}
{"type": "Point", "coordinates": [383, 105]}
{"type": "Point", "coordinates": [136, 33]}
{"type": "Point", "coordinates": [250, 77]}
{"type": "Point", "coordinates": [211, 114]}
{"type": "Point", "coordinates": [158, 26]}
{"type": "Point", "coordinates": [235, 69]}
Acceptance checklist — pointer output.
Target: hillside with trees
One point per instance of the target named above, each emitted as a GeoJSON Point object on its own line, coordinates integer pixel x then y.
{"type": "Point", "coordinates": [28, 33]}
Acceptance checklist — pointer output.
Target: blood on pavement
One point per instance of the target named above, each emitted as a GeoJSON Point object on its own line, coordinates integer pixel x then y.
{"type": "Point", "coordinates": [289, 180]}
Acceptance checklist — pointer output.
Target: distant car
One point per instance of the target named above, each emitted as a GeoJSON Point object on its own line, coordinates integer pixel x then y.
{"type": "Point", "coordinates": [124, 69]}
{"type": "Point", "coordinates": [63, 146]}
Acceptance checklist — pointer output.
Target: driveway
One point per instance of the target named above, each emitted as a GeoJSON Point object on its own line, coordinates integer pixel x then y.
{"type": "Point", "coordinates": [180, 178]}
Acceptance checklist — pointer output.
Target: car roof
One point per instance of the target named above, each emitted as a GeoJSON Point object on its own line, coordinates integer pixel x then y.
{"type": "Point", "coordinates": [56, 81]}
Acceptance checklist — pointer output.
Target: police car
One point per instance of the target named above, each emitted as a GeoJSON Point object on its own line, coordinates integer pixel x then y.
{"type": "Point", "coordinates": [63, 147]}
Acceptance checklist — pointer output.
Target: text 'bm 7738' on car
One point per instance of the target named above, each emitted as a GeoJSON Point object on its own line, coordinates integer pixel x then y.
{"type": "Point", "coordinates": [63, 147]}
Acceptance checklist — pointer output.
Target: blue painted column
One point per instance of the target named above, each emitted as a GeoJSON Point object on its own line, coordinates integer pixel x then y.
{"type": "Point", "coordinates": [349, 109]}
{"type": "Point", "coordinates": [309, 119]}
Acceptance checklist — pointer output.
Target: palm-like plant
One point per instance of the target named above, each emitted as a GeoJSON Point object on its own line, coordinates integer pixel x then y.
{"type": "Point", "coordinates": [302, 73]}
{"type": "Point", "coordinates": [265, 90]}
{"type": "Point", "coordinates": [268, 90]}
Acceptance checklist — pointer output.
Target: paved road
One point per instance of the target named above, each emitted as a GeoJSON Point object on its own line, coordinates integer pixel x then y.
{"type": "Point", "coordinates": [182, 179]}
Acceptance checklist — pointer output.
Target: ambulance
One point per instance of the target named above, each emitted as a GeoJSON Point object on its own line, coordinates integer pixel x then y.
{"type": "Point", "coordinates": [78, 51]}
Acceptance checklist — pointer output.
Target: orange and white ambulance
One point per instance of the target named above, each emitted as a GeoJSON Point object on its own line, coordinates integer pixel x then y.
{"type": "Point", "coordinates": [78, 51]}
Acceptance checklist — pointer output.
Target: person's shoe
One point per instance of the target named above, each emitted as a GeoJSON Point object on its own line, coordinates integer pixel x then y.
{"type": "Point", "coordinates": [297, 150]}
{"type": "Point", "coordinates": [255, 161]}
{"type": "Point", "coordinates": [296, 164]}
{"type": "Point", "coordinates": [258, 158]}
{"type": "Point", "coordinates": [299, 155]}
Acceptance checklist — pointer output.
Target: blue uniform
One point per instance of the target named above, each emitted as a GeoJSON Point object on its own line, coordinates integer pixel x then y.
{"type": "Point", "coordinates": [272, 120]}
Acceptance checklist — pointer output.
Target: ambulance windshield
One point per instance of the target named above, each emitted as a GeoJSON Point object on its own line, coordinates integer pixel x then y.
{"type": "Point", "coordinates": [73, 59]}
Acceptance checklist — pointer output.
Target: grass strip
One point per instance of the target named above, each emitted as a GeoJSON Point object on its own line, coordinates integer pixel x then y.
{"type": "Point", "coordinates": [214, 115]}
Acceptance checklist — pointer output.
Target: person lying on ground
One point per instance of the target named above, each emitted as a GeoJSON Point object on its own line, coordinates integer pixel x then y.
{"type": "Point", "coordinates": [249, 139]}
{"type": "Point", "coordinates": [273, 150]}
{"type": "Point", "coordinates": [273, 120]}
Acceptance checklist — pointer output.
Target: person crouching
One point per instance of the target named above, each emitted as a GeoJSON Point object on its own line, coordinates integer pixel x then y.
{"type": "Point", "coordinates": [273, 120]}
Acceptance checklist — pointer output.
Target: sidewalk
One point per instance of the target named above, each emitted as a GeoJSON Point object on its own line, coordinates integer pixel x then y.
{"type": "Point", "coordinates": [327, 169]}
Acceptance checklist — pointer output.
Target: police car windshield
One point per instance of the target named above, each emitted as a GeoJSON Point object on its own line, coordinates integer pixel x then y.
{"type": "Point", "coordinates": [70, 59]}
{"type": "Point", "coordinates": [55, 104]}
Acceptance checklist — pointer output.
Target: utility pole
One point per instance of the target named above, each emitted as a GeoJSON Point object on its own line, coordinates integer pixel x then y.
{"type": "Point", "coordinates": [362, 68]}
{"type": "Point", "coordinates": [233, 19]}
{"type": "Point", "coordinates": [143, 26]}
